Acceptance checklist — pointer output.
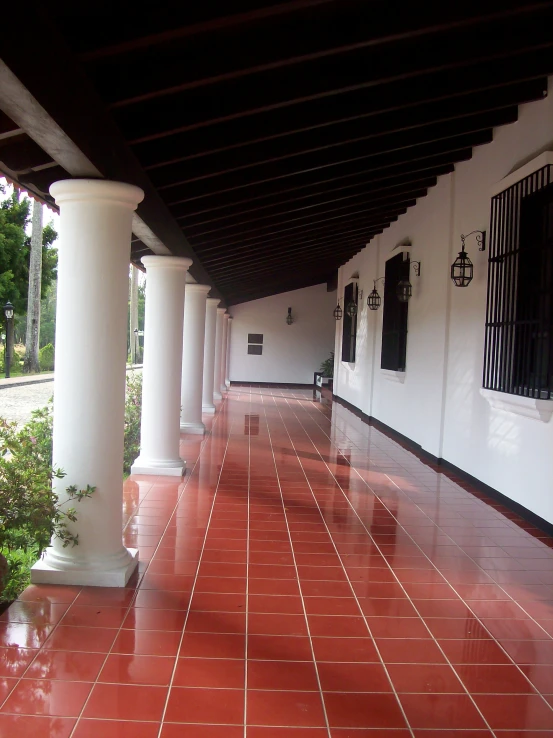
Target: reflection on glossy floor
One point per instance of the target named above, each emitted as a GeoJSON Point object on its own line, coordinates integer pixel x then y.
{"type": "Point", "coordinates": [306, 580]}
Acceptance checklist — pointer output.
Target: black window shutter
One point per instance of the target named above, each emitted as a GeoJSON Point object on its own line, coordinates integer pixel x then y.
{"type": "Point", "coordinates": [349, 328]}
{"type": "Point", "coordinates": [394, 323]}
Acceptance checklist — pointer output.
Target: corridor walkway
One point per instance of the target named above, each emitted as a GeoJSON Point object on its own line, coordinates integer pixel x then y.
{"type": "Point", "coordinates": [307, 579]}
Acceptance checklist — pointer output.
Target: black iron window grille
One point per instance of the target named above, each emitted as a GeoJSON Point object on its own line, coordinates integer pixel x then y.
{"type": "Point", "coordinates": [518, 351]}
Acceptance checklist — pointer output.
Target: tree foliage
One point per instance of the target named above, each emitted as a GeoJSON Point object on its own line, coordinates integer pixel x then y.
{"type": "Point", "coordinates": [15, 248]}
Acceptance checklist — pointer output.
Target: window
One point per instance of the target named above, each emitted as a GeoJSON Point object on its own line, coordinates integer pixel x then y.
{"type": "Point", "coordinates": [255, 344]}
{"type": "Point", "coordinates": [518, 353]}
{"type": "Point", "coordinates": [349, 328]}
{"type": "Point", "coordinates": [394, 321]}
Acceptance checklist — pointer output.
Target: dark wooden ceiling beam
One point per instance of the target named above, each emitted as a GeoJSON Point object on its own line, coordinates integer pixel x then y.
{"type": "Point", "coordinates": [272, 180]}
{"type": "Point", "coordinates": [431, 167]}
{"type": "Point", "coordinates": [359, 128]}
{"type": "Point", "coordinates": [280, 262]}
{"type": "Point", "coordinates": [360, 224]}
{"type": "Point", "coordinates": [345, 235]}
{"type": "Point", "coordinates": [70, 100]}
{"type": "Point", "coordinates": [339, 242]}
{"type": "Point", "coordinates": [198, 27]}
{"type": "Point", "coordinates": [360, 204]}
{"type": "Point", "coordinates": [311, 227]}
{"type": "Point", "coordinates": [258, 50]}
{"type": "Point", "coordinates": [276, 93]}
{"type": "Point", "coordinates": [307, 202]}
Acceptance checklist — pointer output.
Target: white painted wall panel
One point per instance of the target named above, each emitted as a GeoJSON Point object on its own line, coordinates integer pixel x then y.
{"type": "Point", "coordinates": [439, 404]}
{"type": "Point", "coordinates": [291, 353]}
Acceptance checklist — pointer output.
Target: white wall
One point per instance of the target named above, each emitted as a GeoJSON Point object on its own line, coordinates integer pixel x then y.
{"type": "Point", "coordinates": [291, 353]}
{"type": "Point", "coordinates": [439, 404]}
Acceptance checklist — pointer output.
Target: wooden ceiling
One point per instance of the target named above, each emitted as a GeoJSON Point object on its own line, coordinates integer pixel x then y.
{"type": "Point", "coordinates": [274, 140]}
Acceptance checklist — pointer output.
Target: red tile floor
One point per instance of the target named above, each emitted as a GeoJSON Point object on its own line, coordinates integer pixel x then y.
{"type": "Point", "coordinates": [306, 579]}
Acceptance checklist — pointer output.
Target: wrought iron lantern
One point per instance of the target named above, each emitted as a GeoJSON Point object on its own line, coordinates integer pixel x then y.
{"type": "Point", "coordinates": [404, 288]}
{"type": "Point", "coordinates": [289, 318]}
{"type": "Point", "coordinates": [338, 312]}
{"type": "Point", "coordinates": [462, 269]}
{"type": "Point", "coordinates": [351, 309]}
{"type": "Point", "coordinates": [374, 301]}
{"type": "Point", "coordinates": [8, 310]}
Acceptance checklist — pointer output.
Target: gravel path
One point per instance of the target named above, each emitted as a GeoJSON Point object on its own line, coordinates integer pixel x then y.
{"type": "Point", "coordinates": [17, 403]}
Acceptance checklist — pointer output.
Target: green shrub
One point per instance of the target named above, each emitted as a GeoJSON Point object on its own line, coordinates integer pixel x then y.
{"type": "Point", "coordinates": [133, 413]}
{"type": "Point", "coordinates": [46, 358]}
{"type": "Point", "coordinates": [16, 366]}
{"type": "Point", "coordinates": [327, 366]}
{"type": "Point", "coordinates": [30, 511]}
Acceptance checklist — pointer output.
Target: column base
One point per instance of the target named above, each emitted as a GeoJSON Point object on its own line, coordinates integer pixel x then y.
{"type": "Point", "coordinates": [157, 467]}
{"type": "Point", "coordinates": [208, 409]}
{"type": "Point", "coordinates": [196, 428]}
{"type": "Point", "coordinates": [43, 572]}
{"type": "Point", "coordinates": [227, 383]}
{"type": "Point", "coordinates": [217, 395]}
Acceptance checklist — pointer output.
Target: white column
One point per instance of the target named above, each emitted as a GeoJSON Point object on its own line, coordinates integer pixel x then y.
{"type": "Point", "coordinates": [193, 358]}
{"type": "Point", "coordinates": [229, 331]}
{"type": "Point", "coordinates": [161, 373]}
{"type": "Point", "coordinates": [218, 346]}
{"type": "Point", "coordinates": [209, 354]}
{"type": "Point", "coordinates": [223, 374]}
{"type": "Point", "coordinates": [89, 385]}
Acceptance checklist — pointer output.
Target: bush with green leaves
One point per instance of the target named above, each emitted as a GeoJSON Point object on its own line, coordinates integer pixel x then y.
{"type": "Point", "coordinates": [327, 366]}
{"type": "Point", "coordinates": [46, 358]}
{"type": "Point", "coordinates": [30, 511]}
{"type": "Point", "coordinates": [133, 413]}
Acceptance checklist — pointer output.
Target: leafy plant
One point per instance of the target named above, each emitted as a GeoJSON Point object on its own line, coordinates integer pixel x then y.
{"type": "Point", "coordinates": [30, 511]}
{"type": "Point", "coordinates": [133, 413]}
{"type": "Point", "coordinates": [46, 358]}
{"type": "Point", "coordinates": [327, 366]}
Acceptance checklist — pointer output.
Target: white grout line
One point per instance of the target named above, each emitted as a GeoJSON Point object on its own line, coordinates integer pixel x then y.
{"type": "Point", "coordinates": [133, 599]}
{"type": "Point", "coordinates": [192, 591]}
{"type": "Point", "coordinates": [382, 663]}
{"type": "Point", "coordinates": [430, 560]}
{"type": "Point", "coordinates": [315, 664]}
{"type": "Point", "coordinates": [247, 573]}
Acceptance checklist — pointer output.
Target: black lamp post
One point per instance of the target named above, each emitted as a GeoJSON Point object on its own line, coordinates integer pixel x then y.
{"type": "Point", "coordinates": [8, 312]}
{"type": "Point", "coordinates": [338, 312]}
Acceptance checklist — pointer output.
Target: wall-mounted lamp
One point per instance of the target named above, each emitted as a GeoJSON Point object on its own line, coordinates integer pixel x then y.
{"type": "Point", "coordinates": [404, 289]}
{"type": "Point", "coordinates": [289, 318]}
{"type": "Point", "coordinates": [338, 312]}
{"type": "Point", "coordinates": [462, 269]}
{"type": "Point", "coordinates": [352, 306]}
{"type": "Point", "coordinates": [374, 300]}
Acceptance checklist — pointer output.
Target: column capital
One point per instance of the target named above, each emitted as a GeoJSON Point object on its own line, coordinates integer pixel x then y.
{"type": "Point", "coordinates": [226, 315]}
{"type": "Point", "coordinates": [153, 261]}
{"type": "Point", "coordinates": [97, 190]}
{"type": "Point", "coordinates": [213, 301]}
{"type": "Point", "coordinates": [195, 287]}
{"type": "Point", "coordinates": [221, 311]}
